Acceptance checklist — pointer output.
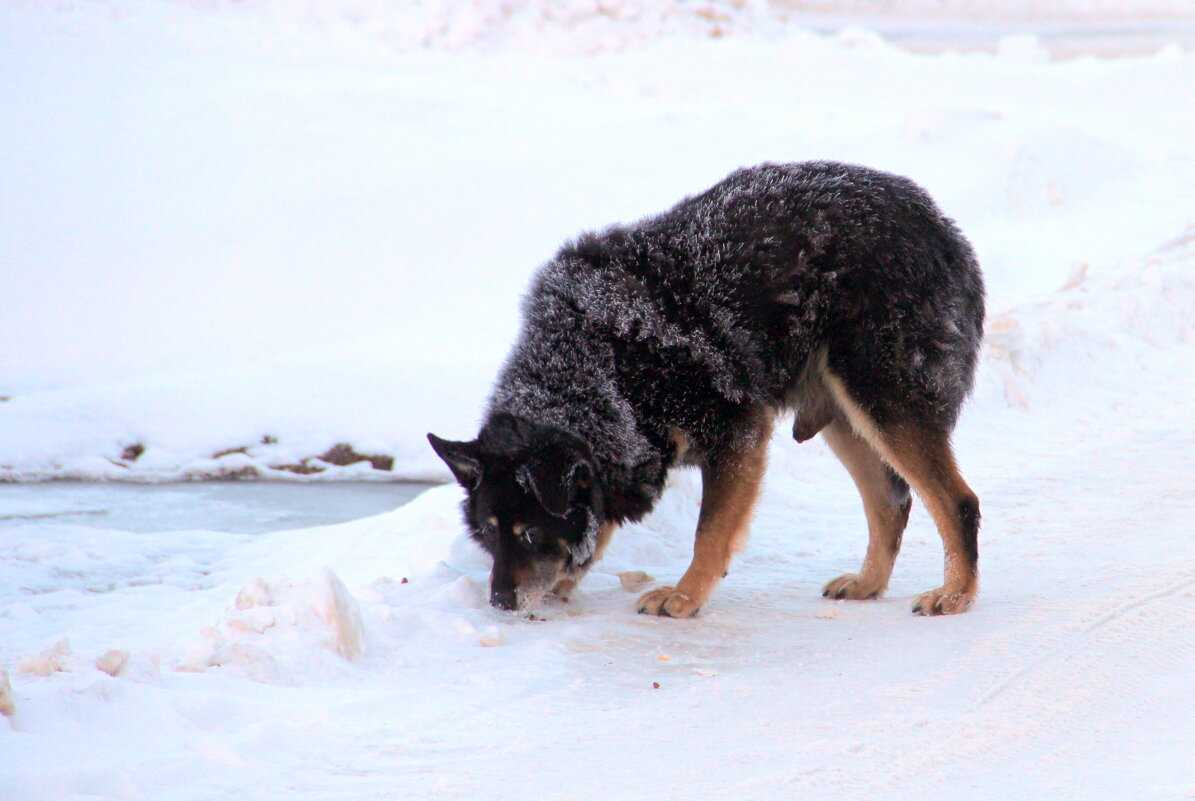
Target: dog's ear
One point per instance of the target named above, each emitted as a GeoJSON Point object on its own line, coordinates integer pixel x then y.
{"type": "Point", "coordinates": [463, 458]}
{"type": "Point", "coordinates": [554, 479]}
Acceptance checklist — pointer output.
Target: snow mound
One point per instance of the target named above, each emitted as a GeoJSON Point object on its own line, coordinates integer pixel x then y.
{"type": "Point", "coordinates": [279, 624]}
{"type": "Point", "coordinates": [404, 588]}
{"type": "Point", "coordinates": [1105, 330]}
{"type": "Point", "coordinates": [1073, 10]}
{"type": "Point", "coordinates": [563, 25]}
{"type": "Point", "coordinates": [248, 424]}
{"type": "Point", "coordinates": [583, 27]}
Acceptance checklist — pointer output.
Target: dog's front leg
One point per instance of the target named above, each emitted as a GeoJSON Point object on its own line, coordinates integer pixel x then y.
{"type": "Point", "coordinates": [729, 489]}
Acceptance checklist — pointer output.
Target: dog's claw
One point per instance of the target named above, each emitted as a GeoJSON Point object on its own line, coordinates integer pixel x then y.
{"type": "Point", "coordinates": [941, 602]}
{"type": "Point", "coordinates": [668, 602]}
{"type": "Point", "coordinates": [852, 587]}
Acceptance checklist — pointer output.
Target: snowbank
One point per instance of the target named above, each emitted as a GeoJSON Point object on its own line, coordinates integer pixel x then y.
{"type": "Point", "coordinates": [1019, 10]}
{"type": "Point", "coordinates": [376, 29]}
{"type": "Point", "coordinates": [221, 259]}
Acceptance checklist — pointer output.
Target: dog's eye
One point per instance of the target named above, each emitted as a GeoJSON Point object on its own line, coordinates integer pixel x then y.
{"type": "Point", "coordinates": [488, 530]}
{"type": "Point", "coordinates": [536, 539]}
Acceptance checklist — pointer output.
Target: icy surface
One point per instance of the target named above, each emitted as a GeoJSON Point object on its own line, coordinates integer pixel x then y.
{"type": "Point", "coordinates": [246, 507]}
{"type": "Point", "coordinates": [220, 233]}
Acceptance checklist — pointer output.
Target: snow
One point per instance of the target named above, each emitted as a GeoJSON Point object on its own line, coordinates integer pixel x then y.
{"type": "Point", "coordinates": [277, 227]}
{"type": "Point", "coordinates": [185, 221]}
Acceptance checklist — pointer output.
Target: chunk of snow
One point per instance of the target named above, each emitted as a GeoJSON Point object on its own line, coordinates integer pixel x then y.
{"type": "Point", "coordinates": [113, 662]}
{"type": "Point", "coordinates": [336, 606]}
{"type": "Point", "coordinates": [632, 580]}
{"type": "Point", "coordinates": [52, 660]}
{"type": "Point", "coordinates": [8, 706]}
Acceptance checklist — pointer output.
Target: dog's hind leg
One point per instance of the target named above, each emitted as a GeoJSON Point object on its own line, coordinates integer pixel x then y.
{"type": "Point", "coordinates": [886, 501]}
{"type": "Point", "coordinates": [923, 457]}
{"type": "Point", "coordinates": [729, 489]}
{"type": "Point", "coordinates": [927, 461]}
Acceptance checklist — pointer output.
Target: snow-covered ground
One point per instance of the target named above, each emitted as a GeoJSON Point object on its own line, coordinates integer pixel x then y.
{"type": "Point", "coordinates": [261, 229]}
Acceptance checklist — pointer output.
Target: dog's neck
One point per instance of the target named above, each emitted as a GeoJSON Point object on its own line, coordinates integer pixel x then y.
{"type": "Point", "coordinates": [572, 384]}
{"type": "Point", "coordinates": [576, 397]}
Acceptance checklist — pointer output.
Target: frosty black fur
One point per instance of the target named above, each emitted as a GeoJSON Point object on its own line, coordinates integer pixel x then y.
{"type": "Point", "coordinates": [834, 291]}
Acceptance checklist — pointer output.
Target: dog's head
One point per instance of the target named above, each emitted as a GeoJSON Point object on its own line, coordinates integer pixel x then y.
{"type": "Point", "coordinates": [531, 502]}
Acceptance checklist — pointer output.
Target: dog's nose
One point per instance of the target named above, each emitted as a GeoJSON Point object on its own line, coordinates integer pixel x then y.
{"type": "Point", "coordinates": [504, 599]}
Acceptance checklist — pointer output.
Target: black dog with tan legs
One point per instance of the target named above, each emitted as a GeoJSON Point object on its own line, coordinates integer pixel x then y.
{"type": "Point", "coordinates": [835, 292]}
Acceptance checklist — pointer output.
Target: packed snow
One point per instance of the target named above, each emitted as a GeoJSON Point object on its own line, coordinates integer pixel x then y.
{"type": "Point", "coordinates": [234, 236]}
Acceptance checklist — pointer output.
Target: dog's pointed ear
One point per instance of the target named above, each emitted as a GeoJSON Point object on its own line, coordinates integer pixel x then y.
{"type": "Point", "coordinates": [462, 458]}
{"type": "Point", "coordinates": [555, 480]}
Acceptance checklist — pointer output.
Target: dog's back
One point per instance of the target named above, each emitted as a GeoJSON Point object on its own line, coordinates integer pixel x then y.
{"type": "Point", "coordinates": [720, 304]}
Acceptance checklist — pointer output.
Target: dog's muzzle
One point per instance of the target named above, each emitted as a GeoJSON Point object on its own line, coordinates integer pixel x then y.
{"type": "Point", "coordinates": [506, 600]}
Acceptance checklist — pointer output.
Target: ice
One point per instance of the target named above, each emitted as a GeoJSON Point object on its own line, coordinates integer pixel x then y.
{"type": "Point", "coordinates": [238, 235]}
{"type": "Point", "coordinates": [247, 507]}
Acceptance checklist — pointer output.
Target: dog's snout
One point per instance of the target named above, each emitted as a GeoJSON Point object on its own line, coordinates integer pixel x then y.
{"type": "Point", "coordinates": [504, 599]}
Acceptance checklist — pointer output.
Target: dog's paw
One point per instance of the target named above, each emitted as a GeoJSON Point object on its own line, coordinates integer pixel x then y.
{"type": "Point", "coordinates": [852, 587]}
{"type": "Point", "coordinates": [563, 589]}
{"type": "Point", "coordinates": [668, 602]}
{"type": "Point", "coordinates": [942, 602]}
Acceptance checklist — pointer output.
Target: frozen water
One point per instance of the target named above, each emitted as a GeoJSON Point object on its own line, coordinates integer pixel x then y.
{"type": "Point", "coordinates": [248, 507]}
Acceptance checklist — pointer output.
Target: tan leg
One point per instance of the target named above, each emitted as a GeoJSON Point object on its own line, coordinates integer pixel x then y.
{"type": "Point", "coordinates": [886, 502]}
{"type": "Point", "coordinates": [605, 533]}
{"type": "Point", "coordinates": [926, 461]}
{"type": "Point", "coordinates": [729, 490]}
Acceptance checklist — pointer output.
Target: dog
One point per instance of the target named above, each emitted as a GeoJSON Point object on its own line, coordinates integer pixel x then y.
{"type": "Point", "coordinates": [836, 292]}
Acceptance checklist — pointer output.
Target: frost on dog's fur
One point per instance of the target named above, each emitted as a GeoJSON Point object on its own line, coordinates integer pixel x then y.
{"type": "Point", "coordinates": [680, 311]}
